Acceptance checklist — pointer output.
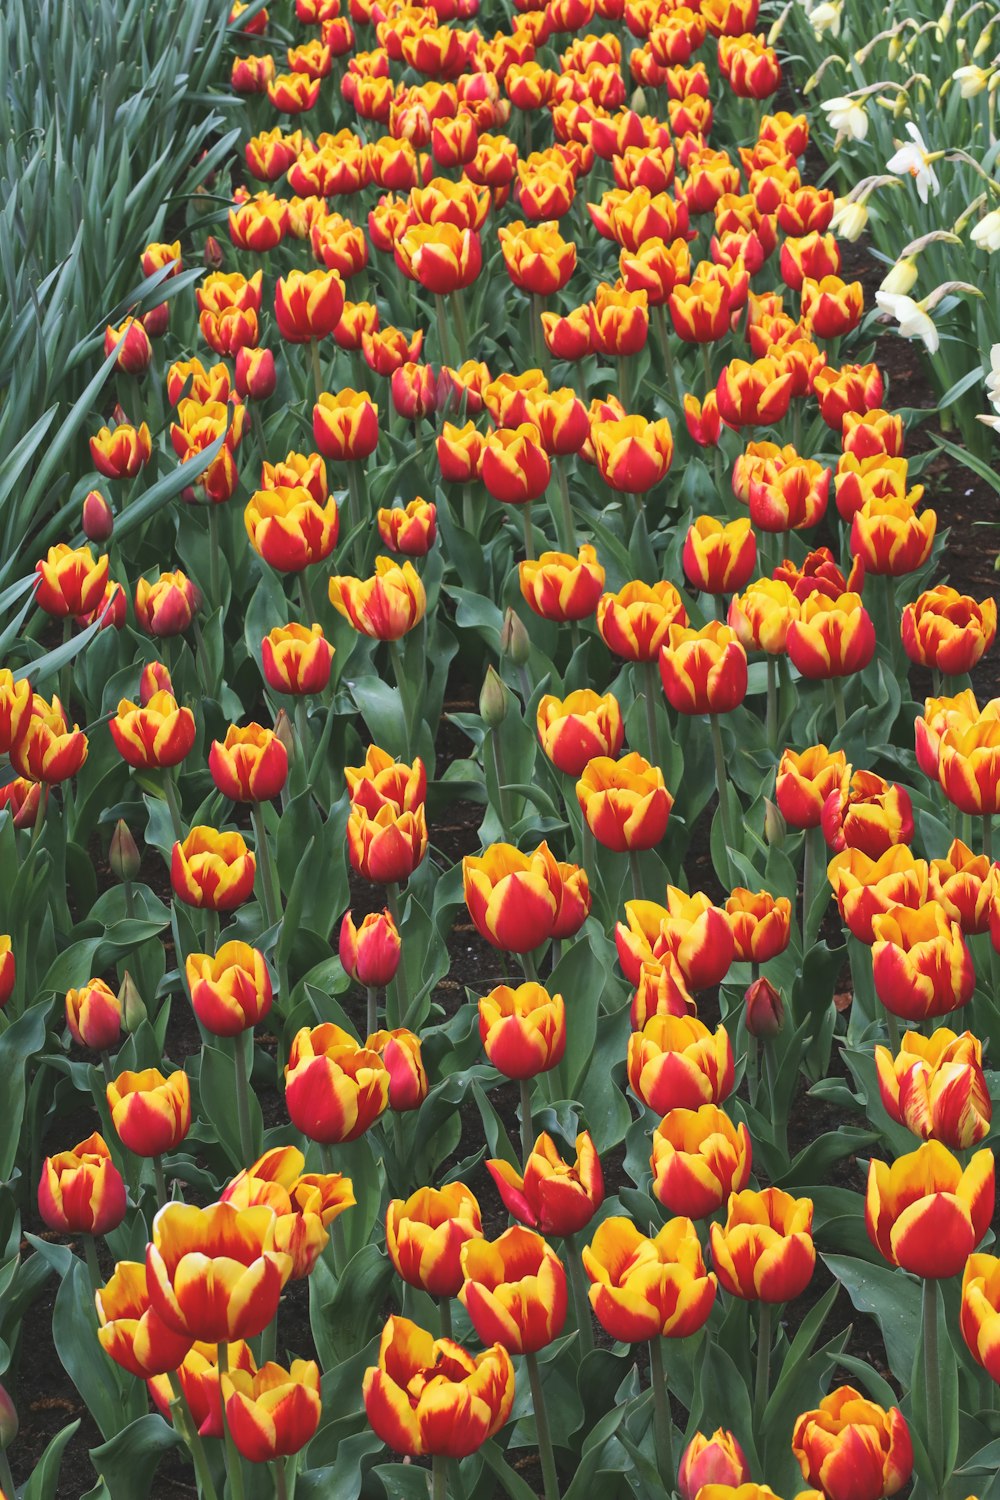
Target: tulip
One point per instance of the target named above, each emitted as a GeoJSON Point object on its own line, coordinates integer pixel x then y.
{"type": "Point", "coordinates": [573, 900]}
{"type": "Point", "coordinates": [865, 812]}
{"type": "Point", "coordinates": [428, 1396]}
{"type": "Point", "coordinates": [296, 659]}
{"type": "Point", "coordinates": [831, 637]}
{"type": "Point", "coordinates": [523, 1030]}
{"type": "Point", "coordinates": [761, 924]}
{"type": "Point", "coordinates": [388, 845]}
{"type": "Point", "coordinates": [661, 990]}
{"type": "Point", "coordinates": [935, 1087]}
{"type": "Point", "coordinates": [703, 671]}
{"type": "Point", "coordinates": [198, 1376]}
{"type": "Point", "coordinates": [890, 538]}
{"type": "Point", "coordinates": [424, 1236]}
{"type": "Point", "coordinates": [920, 962]}
{"type": "Point", "coordinates": [940, 714]}
{"type": "Point", "coordinates": [370, 953]}
{"type": "Point", "coordinates": [384, 607]}
{"type": "Point", "coordinates": [401, 1055]}
{"type": "Point", "coordinates": [410, 529]}
{"type": "Point", "coordinates": [964, 885]}
{"type": "Point", "coordinates": [130, 1332]}
{"type": "Point", "coordinates": [345, 426]}
{"type": "Point", "coordinates": [980, 1311]}
{"type": "Point", "coordinates": [675, 1062]}
{"type": "Point", "coordinates": [719, 557]}
{"type": "Point", "coordinates": [46, 749]}
{"type": "Point", "coordinates": [852, 1449]}
{"type": "Point", "coordinates": [514, 1290]}
{"type": "Point", "coordinates": [153, 737]}
{"type": "Point", "coordinates": [334, 1088]}
{"type": "Point", "coordinates": [762, 614]}
{"type": "Point", "coordinates": [121, 453]}
{"type": "Point", "coordinates": [150, 1112]}
{"type": "Point", "coordinates": [387, 350]}
{"type": "Point", "coordinates": [272, 1412]}
{"type": "Point", "coordinates": [15, 707]}
{"type": "Point", "coordinates": [250, 765]}
{"type": "Point", "coordinates": [441, 257]}
{"type": "Point", "coordinates": [385, 782]}
{"type": "Point", "coordinates": [70, 582]}
{"type": "Point", "coordinates": [969, 766]}
{"type": "Point", "coordinates": [865, 887]}
{"type": "Point", "coordinates": [635, 622]}
{"type": "Point", "coordinates": [303, 1204]}
{"type": "Point", "coordinates": [568, 337]}
{"type": "Point", "coordinates": [308, 305]}
{"type": "Point", "coordinates": [552, 1196]}
{"type": "Point", "coordinates": [511, 896]}
{"type": "Point", "coordinates": [515, 466]}
{"type": "Point", "coordinates": [805, 780]}
{"type": "Point", "coordinates": [213, 1273]}
{"type": "Point", "coordinates": [167, 605]}
{"type": "Point", "coordinates": [153, 679]}
{"type": "Point", "coordinates": [872, 431]}
{"type": "Point", "coordinates": [633, 455]}
{"type": "Point", "coordinates": [81, 1191]}
{"type": "Point", "coordinates": [231, 991]}
{"type": "Point", "coordinates": [576, 729]}
{"type": "Point", "coordinates": [948, 631]}
{"type": "Point", "coordinates": [212, 870]}
{"type": "Point", "coordinates": [925, 1213]}
{"type": "Point", "coordinates": [625, 802]}
{"type": "Point", "coordinates": [715, 1460]}
{"type": "Point", "coordinates": [764, 1251]}
{"type": "Point", "coordinates": [289, 529]}
{"type": "Point", "coordinates": [94, 1016]}
{"type": "Point", "coordinates": [8, 969]}
{"type": "Point", "coordinates": [648, 1288]}
{"type": "Point", "coordinates": [305, 471]}
{"type": "Point", "coordinates": [537, 258]}
{"type": "Point", "coordinates": [754, 394]}
{"type": "Point", "coordinates": [793, 500]}
{"type": "Point", "coordinates": [560, 587]}
{"type": "Point", "coordinates": [256, 377]}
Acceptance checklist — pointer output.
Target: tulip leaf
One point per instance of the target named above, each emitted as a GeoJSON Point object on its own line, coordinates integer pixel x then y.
{"type": "Point", "coordinates": [346, 1310]}
{"type": "Point", "coordinates": [23, 1039]}
{"type": "Point", "coordinates": [889, 1296]}
{"type": "Point", "coordinates": [343, 1476]}
{"type": "Point", "coordinates": [129, 1460]}
{"type": "Point", "coordinates": [216, 1083]}
{"type": "Point", "coordinates": [113, 1397]}
{"type": "Point", "coordinates": [44, 1480]}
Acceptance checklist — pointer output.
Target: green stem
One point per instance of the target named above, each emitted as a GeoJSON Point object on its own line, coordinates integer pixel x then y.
{"type": "Point", "coordinates": [811, 873]}
{"type": "Point", "coordinates": [356, 510]}
{"type": "Point", "coordinates": [663, 1426]}
{"type": "Point", "coordinates": [624, 383]}
{"type": "Point", "coordinates": [651, 688]}
{"type": "Point", "coordinates": [772, 703]}
{"type": "Point", "coordinates": [670, 370]}
{"type": "Point", "coordinates": [243, 1055]}
{"type": "Point", "coordinates": [581, 1302]}
{"type": "Point", "coordinates": [307, 604]}
{"type": "Point", "coordinates": [268, 874]}
{"type": "Point", "coordinates": [173, 804]}
{"type": "Point", "coordinates": [988, 836]}
{"type": "Point", "coordinates": [185, 1425]}
{"type": "Point", "coordinates": [527, 1126]}
{"type": "Point", "coordinates": [93, 1267]}
{"type": "Point", "coordinates": [371, 1009]}
{"type": "Point", "coordinates": [779, 1123]}
{"type": "Point", "coordinates": [234, 1466]}
{"type": "Point", "coordinates": [565, 526]}
{"type": "Point", "coordinates": [457, 303]}
{"type": "Point", "coordinates": [763, 1379]}
{"type": "Point", "coordinates": [214, 555]}
{"type": "Point", "coordinates": [501, 775]}
{"type": "Point", "coordinates": [444, 342]}
{"type": "Point", "coordinates": [444, 1313]}
{"type": "Point", "coordinates": [529, 540]}
{"type": "Point", "coordinates": [550, 1477]}
{"type": "Point", "coordinates": [269, 1341]}
{"type": "Point", "coordinates": [840, 712]}
{"type": "Point", "coordinates": [159, 1176]}
{"type": "Point", "coordinates": [706, 366]}
{"type": "Point", "coordinates": [280, 1485]}
{"type": "Point", "coordinates": [934, 1431]}
{"type": "Point", "coordinates": [317, 372]}
{"type": "Point", "coordinates": [720, 781]}
{"type": "Point", "coordinates": [439, 1477]}
{"type": "Point", "coordinates": [399, 979]}
{"type": "Point", "coordinates": [405, 695]}
{"type": "Point", "coordinates": [893, 1032]}
{"type": "Point", "coordinates": [635, 874]}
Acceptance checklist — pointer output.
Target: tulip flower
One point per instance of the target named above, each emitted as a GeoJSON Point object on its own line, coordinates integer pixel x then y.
{"type": "Point", "coordinates": [940, 714]}
{"type": "Point", "coordinates": [805, 780]}
{"type": "Point", "coordinates": [935, 1087]}
{"type": "Point", "coordinates": [8, 969]}
{"type": "Point", "coordinates": [633, 455]}
{"type": "Point", "coordinates": [852, 1449]}
{"type": "Point", "coordinates": [523, 1030]}
{"type": "Point", "coordinates": [213, 1273]}
{"type": "Point", "coordinates": [980, 1311]}
{"type": "Point", "coordinates": [925, 1213]}
{"type": "Point", "coordinates": [515, 466]}
{"type": "Point", "coordinates": [675, 1062]}
{"type": "Point", "coordinates": [94, 1016]}
{"type": "Point", "coordinates": [699, 1158]}
{"type": "Point", "coordinates": [761, 924]}
{"type": "Point", "coordinates": [969, 766]}
{"type": "Point", "coordinates": [46, 748]}
{"type": "Point", "coordinates": [167, 605]}
{"type": "Point", "coordinates": [388, 845]}
{"type": "Point", "coordinates": [272, 1412]}
{"type": "Point", "coordinates": [15, 707]}
{"type": "Point", "coordinates": [537, 258]}
{"type": "Point", "coordinates": [441, 257]}
{"type": "Point", "coordinates": [428, 1396]}
{"type": "Point", "coordinates": [578, 728]}
{"type": "Point", "coordinates": [130, 1332]}
{"type": "Point", "coordinates": [335, 1089]}
{"type": "Point", "coordinates": [81, 1191]}
{"type": "Point", "coordinates": [648, 1288]}
{"type": "Point", "coordinates": [872, 431]}
{"type": "Point", "coordinates": [410, 529]}
{"type": "Point", "coordinates": [425, 1233]}
{"type": "Point", "coordinates": [552, 1196]}
{"type": "Point", "coordinates": [719, 557]}
{"type": "Point", "coordinates": [150, 1112]}
{"type": "Point", "coordinates": [512, 897]}
{"type": "Point", "coordinates": [256, 377]}
{"type": "Point", "coordinates": [948, 631]}
{"type": "Point", "coordinates": [831, 307]}
{"type": "Point", "coordinates": [514, 1290]}
{"type": "Point", "coordinates": [661, 990]}
{"type": "Point", "coordinates": [794, 499]}
{"type": "Point", "coordinates": [964, 885]}
{"type": "Point", "coordinates": [345, 426]}
{"type": "Point", "coordinates": [868, 813]}
{"type": "Point", "coordinates": [230, 992]}
{"type": "Point", "coordinates": [122, 452]}
{"type": "Point", "coordinates": [155, 736]}
{"type": "Point", "coordinates": [385, 606]}
{"type": "Point", "coordinates": [308, 305]}
{"type": "Point", "coordinates": [703, 671]}
{"type": "Point", "coordinates": [865, 887]}
{"type": "Point", "coordinates": [831, 637]}
{"type": "Point", "coordinates": [635, 622]}
{"type": "Point", "coordinates": [296, 659]}
{"type": "Point", "coordinates": [370, 952]}
{"type": "Point", "coordinates": [289, 529]}
{"type": "Point", "coordinates": [764, 1251]}
{"type": "Point", "coordinates": [920, 962]}
{"type": "Point", "coordinates": [198, 1376]}
{"type": "Point", "coordinates": [401, 1054]}
{"type": "Point", "coordinates": [715, 1460]}
{"type": "Point", "coordinates": [460, 452]}
{"type": "Point", "coordinates": [250, 765]}
{"type": "Point", "coordinates": [560, 587]}
{"type": "Point", "coordinates": [754, 394]}
{"type": "Point", "coordinates": [304, 1204]}
{"type": "Point", "coordinates": [212, 870]}
{"type": "Point", "coordinates": [70, 581]}
{"type": "Point", "coordinates": [890, 538]}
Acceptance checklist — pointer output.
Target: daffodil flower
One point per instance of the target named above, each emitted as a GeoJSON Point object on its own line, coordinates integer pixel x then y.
{"type": "Point", "coordinates": [986, 234]}
{"type": "Point", "coordinates": [914, 322]}
{"type": "Point", "coordinates": [847, 117]}
{"type": "Point", "coordinates": [916, 160]}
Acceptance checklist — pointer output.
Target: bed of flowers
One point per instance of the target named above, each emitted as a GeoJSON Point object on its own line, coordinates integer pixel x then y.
{"type": "Point", "coordinates": [497, 446]}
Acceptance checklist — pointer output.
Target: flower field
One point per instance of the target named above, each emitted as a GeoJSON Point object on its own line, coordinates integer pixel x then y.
{"type": "Point", "coordinates": [499, 929]}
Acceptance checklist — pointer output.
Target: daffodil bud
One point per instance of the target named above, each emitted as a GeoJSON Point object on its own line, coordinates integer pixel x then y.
{"type": "Point", "coordinates": [493, 699]}
{"type": "Point", "coordinates": [639, 103]}
{"type": "Point", "coordinates": [123, 855]}
{"type": "Point", "coordinates": [131, 1002]}
{"type": "Point", "coordinates": [902, 278]}
{"type": "Point", "coordinates": [515, 643]}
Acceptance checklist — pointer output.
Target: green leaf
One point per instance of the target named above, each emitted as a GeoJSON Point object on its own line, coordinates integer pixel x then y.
{"type": "Point", "coordinates": [892, 1298]}
{"type": "Point", "coordinates": [128, 1462]}
{"type": "Point", "coordinates": [45, 1477]}
{"type": "Point", "coordinates": [24, 1038]}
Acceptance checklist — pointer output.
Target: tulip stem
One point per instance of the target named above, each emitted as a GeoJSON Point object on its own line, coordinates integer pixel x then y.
{"type": "Point", "coordinates": [650, 682]}
{"type": "Point", "coordinates": [6, 1478]}
{"type": "Point", "coordinates": [635, 874]}
{"type": "Point", "coordinates": [840, 712]}
{"type": "Point", "coordinates": [234, 1468]}
{"type": "Point", "coordinates": [763, 1378]}
{"type": "Point", "coordinates": [444, 1313]}
{"type": "Point", "coordinates": [538, 333]}
{"type": "Point", "coordinates": [581, 1302]}
{"type": "Point", "coordinates": [356, 509]}
{"type": "Point", "coordinates": [527, 1129]}
{"type": "Point", "coordinates": [550, 1477]}
{"type": "Point", "coordinates": [663, 1427]}
{"type": "Point", "coordinates": [441, 314]}
{"type": "Point", "coordinates": [663, 334]}
{"type": "Point", "coordinates": [317, 371]}
{"type": "Point", "coordinates": [402, 684]}
{"type": "Point", "coordinates": [371, 1009]}
{"type": "Point", "coordinates": [720, 782]}
{"type": "Point", "coordinates": [624, 382]}
{"type": "Point", "coordinates": [706, 367]}
{"type": "Point", "coordinates": [173, 804]}
{"type": "Point", "coordinates": [772, 703]}
{"type": "Point", "coordinates": [243, 1056]}
{"type": "Point", "coordinates": [93, 1267]}
{"type": "Point", "coordinates": [564, 510]}
{"type": "Point", "coordinates": [439, 1477]}
{"type": "Point", "coordinates": [268, 874]}
{"type": "Point", "coordinates": [934, 1431]}
{"type": "Point", "coordinates": [988, 836]}
{"type": "Point", "coordinates": [159, 1177]}
{"type": "Point", "coordinates": [529, 539]}
{"type": "Point", "coordinates": [892, 1029]}
{"type": "Point", "coordinates": [214, 555]}
{"type": "Point", "coordinates": [307, 603]}
{"type": "Point", "coordinates": [457, 302]}
{"type": "Point", "coordinates": [185, 1425]}
{"type": "Point", "coordinates": [500, 771]}
{"type": "Point", "coordinates": [810, 873]}
{"type": "Point", "coordinates": [280, 1486]}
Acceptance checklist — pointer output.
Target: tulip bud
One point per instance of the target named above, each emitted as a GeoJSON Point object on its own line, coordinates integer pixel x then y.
{"type": "Point", "coordinates": [718, 1459]}
{"type": "Point", "coordinates": [8, 1419]}
{"type": "Point", "coordinates": [213, 253]}
{"type": "Point", "coordinates": [493, 699]}
{"type": "Point", "coordinates": [119, 415]}
{"type": "Point", "coordinates": [256, 376]}
{"type": "Point", "coordinates": [155, 679]}
{"type": "Point", "coordinates": [131, 1002]}
{"type": "Point", "coordinates": [123, 855]}
{"type": "Point", "coordinates": [765, 1013]}
{"type": "Point", "coordinates": [98, 517]}
{"type": "Point", "coordinates": [515, 642]}
{"type": "Point", "coordinates": [284, 731]}
{"type": "Point", "coordinates": [774, 824]}
{"type": "Point", "coordinates": [370, 951]}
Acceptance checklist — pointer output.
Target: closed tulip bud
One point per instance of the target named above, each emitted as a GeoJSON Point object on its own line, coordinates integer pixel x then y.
{"type": "Point", "coordinates": [335, 1089]}
{"type": "Point", "coordinates": [94, 1016]}
{"type": "Point", "coordinates": [98, 520]}
{"type": "Point", "coordinates": [948, 631]}
{"type": "Point", "coordinates": [576, 729]}
{"type": "Point", "coordinates": [774, 824]}
{"type": "Point", "coordinates": [523, 1030]}
{"type": "Point", "coordinates": [155, 678]}
{"type": "Point", "coordinates": [647, 1288]}
{"type": "Point", "coordinates": [424, 1235]}
{"type": "Point", "coordinates": [718, 1459]}
{"type": "Point", "coordinates": [132, 1006]}
{"type": "Point", "coordinates": [429, 1396]}
{"type": "Point", "coordinates": [167, 605]}
{"type": "Point", "coordinates": [699, 1158]}
{"type": "Point", "coordinates": [130, 1332]}
{"type": "Point", "coordinates": [925, 1213]}
{"type": "Point", "coordinates": [514, 1290]}
{"type": "Point", "coordinates": [256, 377]}
{"type": "Point", "coordinates": [703, 671]}
{"type": "Point", "coordinates": [852, 1449]}
{"type": "Point", "coordinates": [935, 1087]}
{"type": "Point", "coordinates": [675, 1062]}
{"type": "Point", "coordinates": [123, 853]}
{"type": "Point", "coordinates": [804, 782]}
{"type": "Point", "coordinates": [765, 1012]}
{"type": "Point", "coordinates": [8, 969]}
{"type": "Point", "coordinates": [213, 1273]}
{"type": "Point", "coordinates": [761, 924]}
{"type": "Point", "coordinates": [81, 1191]}
{"type": "Point", "coordinates": [625, 802]}
{"type": "Point", "coordinates": [515, 642]}
{"type": "Point", "coordinates": [296, 659]}
{"type": "Point", "coordinates": [493, 699]}
{"type": "Point", "coordinates": [370, 953]}
{"type": "Point", "coordinates": [552, 1197]}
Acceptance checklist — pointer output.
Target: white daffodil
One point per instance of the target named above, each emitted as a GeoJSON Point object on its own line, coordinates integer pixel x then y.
{"type": "Point", "coordinates": [915, 159]}
{"type": "Point", "coordinates": [847, 117]}
{"type": "Point", "coordinates": [993, 378]}
{"type": "Point", "coordinates": [901, 279]}
{"type": "Point", "coordinates": [971, 80]}
{"type": "Point", "coordinates": [986, 234]}
{"type": "Point", "coordinates": [849, 219]}
{"type": "Point", "coordinates": [825, 17]}
{"type": "Point", "coordinates": [914, 322]}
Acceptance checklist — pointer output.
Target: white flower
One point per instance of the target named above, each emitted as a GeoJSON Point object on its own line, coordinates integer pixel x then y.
{"type": "Point", "coordinates": [986, 234]}
{"type": "Point", "coordinates": [914, 322]}
{"type": "Point", "coordinates": [847, 117]}
{"type": "Point", "coordinates": [826, 17]}
{"type": "Point", "coordinates": [914, 159]}
{"type": "Point", "coordinates": [993, 378]}
{"type": "Point", "coordinates": [971, 80]}
{"type": "Point", "coordinates": [849, 219]}
{"type": "Point", "coordinates": [901, 279]}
